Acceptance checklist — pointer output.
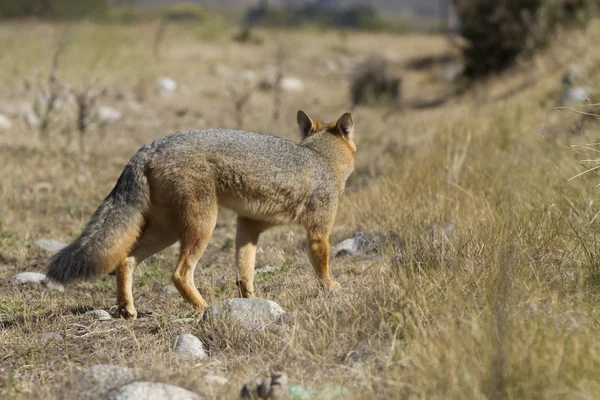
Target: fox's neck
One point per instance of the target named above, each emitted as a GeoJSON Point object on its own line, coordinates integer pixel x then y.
{"type": "Point", "coordinates": [336, 151]}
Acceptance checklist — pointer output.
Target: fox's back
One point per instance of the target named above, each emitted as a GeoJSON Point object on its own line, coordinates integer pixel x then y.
{"type": "Point", "coordinates": [256, 175]}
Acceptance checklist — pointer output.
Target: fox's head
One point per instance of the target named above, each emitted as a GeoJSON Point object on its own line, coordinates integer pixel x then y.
{"type": "Point", "coordinates": [343, 128]}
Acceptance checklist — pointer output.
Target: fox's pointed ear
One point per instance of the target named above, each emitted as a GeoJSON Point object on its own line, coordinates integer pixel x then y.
{"type": "Point", "coordinates": [306, 124]}
{"type": "Point", "coordinates": [345, 125]}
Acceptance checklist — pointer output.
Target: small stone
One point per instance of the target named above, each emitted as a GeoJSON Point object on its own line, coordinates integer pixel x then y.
{"type": "Point", "coordinates": [34, 278]}
{"type": "Point", "coordinates": [99, 315]}
{"type": "Point", "coordinates": [189, 348]}
{"type": "Point", "coordinates": [575, 95]}
{"type": "Point", "coordinates": [182, 320]}
{"type": "Point", "coordinates": [251, 313]}
{"type": "Point", "coordinates": [166, 84]}
{"type": "Point", "coordinates": [94, 382]}
{"type": "Point", "coordinates": [215, 379]}
{"type": "Point", "coordinates": [50, 245]}
{"type": "Point", "coordinates": [265, 270]}
{"type": "Point", "coordinates": [5, 122]}
{"type": "Point", "coordinates": [291, 84]}
{"type": "Point", "coordinates": [30, 117]}
{"type": "Point", "coordinates": [50, 337]}
{"type": "Point", "coordinates": [247, 76]}
{"type": "Point", "coordinates": [109, 114]}
{"type": "Point", "coordinates": [170, 289]}
{"type": "Point", "coordinates": [347, 247]}
{"type": "Point", "coordinates": [151, 391]}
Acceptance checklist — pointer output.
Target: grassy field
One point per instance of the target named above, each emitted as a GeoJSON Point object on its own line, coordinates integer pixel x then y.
{"type": "Point", "coordinates": [485, 277]}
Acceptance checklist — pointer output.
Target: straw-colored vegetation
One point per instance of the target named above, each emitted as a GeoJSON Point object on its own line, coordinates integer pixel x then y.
{"type": "Point", "coordinates": [485, 280]}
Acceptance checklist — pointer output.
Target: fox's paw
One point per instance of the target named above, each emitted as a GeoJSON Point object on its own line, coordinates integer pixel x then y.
{"type": "Point", "coordinates": [333, 287]}
{"type": "Point", "coordinates": [127, 313]}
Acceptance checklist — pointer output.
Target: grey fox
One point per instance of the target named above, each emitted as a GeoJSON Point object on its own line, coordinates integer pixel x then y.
{"type": "Point", "coordinates": [171, 190]}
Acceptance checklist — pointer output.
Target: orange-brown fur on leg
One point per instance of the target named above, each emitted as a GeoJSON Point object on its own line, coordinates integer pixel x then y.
{"type": "Point", "coordinates": [196, 229]}
{"type": "Point", "coordinates": [318, 245]}
{"type": "Point", "coordinates": [248, 231]}
{"type": "Point", "coordinates": [124, 288]}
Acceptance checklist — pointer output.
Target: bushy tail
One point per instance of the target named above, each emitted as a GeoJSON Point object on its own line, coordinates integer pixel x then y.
{"type": "Point", "coordinates": [112, 231]}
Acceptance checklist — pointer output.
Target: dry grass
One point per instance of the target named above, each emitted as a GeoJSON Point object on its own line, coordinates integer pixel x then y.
{"type": "Point", "coordinates": [485, 280]}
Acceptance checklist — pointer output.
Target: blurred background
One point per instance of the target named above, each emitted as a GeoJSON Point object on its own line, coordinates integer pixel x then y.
{"type": "Point", "coordinates": [473, 266]}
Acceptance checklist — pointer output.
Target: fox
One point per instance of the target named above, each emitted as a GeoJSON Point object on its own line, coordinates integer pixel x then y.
{"type": "Point", "coordinates": [171, 191]}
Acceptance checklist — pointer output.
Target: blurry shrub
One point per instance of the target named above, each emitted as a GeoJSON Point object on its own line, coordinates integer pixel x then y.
{"type": "Point", "coordinates": [373, 83]}
{"type": "Point", "coordinates": [355, 16]}
{"type": "Point", "coordinates": [498, 32]}
{"type": "Point", "coordinates": [184, 12]}
{"type": "Point", "coordinates": [53, 9]}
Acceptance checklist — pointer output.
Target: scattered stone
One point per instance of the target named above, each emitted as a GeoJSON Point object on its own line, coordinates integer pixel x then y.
{"type": "Point", "coordinates": [182, 320]}
{"type": "Point", "coordinates": [189, 348]}
{"type": "Point", "coordinates": [265, 270]}
{"type": "Point", "coordinates": [99, 315]}
{"type": "Point", "coordinates": [34, 278]}
{"type": "Point", "coordinates": [30, 117]}
{"type": "Point", "coordinates": [575, 95]}
{"type": "Point", "coordinates": [151, 391]}
{"type": "Point", "coordinates": [349, 247]}
{"type": "Point", "coordinates": [50, 245]}
{"type": "Point", "coordinates": [50, 337]}
{"type": "Point", "coordinates": [215, 379]}
{"type": "Point", "coordinates": [273, 387]}
{"type": "Point", "coordinates": [252, 313]}
{"type": "Point", "coordinates": [5, 123]}
{"type": "Point", "coordinates": [247, 76]}
{"type": "Point", "coordinates": [359, 243]}
{"type": "Point", "coordinates": [166, 84]}
{"type": "Point", "coordinates": [108, 114]}
{"type": "Point", "coordinates": [94, 382]}
{"type": "Point", "coordinates": [171, 289]}
{"type": "Point", "coordinates": [223, 70]}
{"type": "Point", "coordinates": [291, 84]}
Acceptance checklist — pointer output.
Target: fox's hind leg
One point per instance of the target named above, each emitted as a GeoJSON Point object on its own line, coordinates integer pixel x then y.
{"type": "Point", "coordinates": [155, 237]}
{"type": "Point", "coordinates": [248, 231]}
{"type": "Point", "coordinates": [197, 225]}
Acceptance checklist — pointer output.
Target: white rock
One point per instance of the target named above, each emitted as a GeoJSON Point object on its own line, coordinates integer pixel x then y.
{"type": "Point", "coordinates": [170, 290]}
{"type": "Point", "coordinates": [215, 379]}
{"type": "Point", "coordinates": [50, 245]}
{"type": "Point", "coordinates": [291, 84]}
{"type": "Point", "coordinates": [575, 95]}
{"type": "Point", "coordinates": [30, 117]}
{"type": "Point", "coordinates": [166, 84]}
{"type": "Point", "coordinates": [151, 391]}
{"type": "Point", "coordinates": [182, 320]}
{"type": "Point", "coordinates": [223, 70]}
{"type": "Point", "coordinates": [33, 278]}
{"type": "Point", "coordinates": [247, 76]}
{"type": "Point", "coordinates": [189, 348]}
{"type": "Point", "coordinates": [265, 270]}
{"type": "Point", "coordinates": [49, 337]}
{"type": "Point", "coordinates": [97, 380]}
{"type": "Point", "coordinates": [28, 277]}
{"type": "Point", "coordinates": [252, 313]}
{"type": "Point", "coordinates": [349, 246]}
{"type": "Point", "coordinates": [5, 123]}
{"type": "Point", "coordinates": [100, 315]}
{"type": "Point", "coordinates": [109, 114]}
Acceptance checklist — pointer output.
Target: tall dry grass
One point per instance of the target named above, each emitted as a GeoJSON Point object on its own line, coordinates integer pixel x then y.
{"type": "Point", "coordinates": [485, 276]}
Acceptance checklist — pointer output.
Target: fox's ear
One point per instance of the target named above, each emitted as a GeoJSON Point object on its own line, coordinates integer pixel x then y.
{"type": "Point", "coordinates": [345, 125]}
{"type": "Point", "coordinates": [306, 124]}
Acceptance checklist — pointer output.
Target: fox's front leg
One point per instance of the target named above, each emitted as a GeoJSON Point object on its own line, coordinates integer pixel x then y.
{"type": "Point", "coordinates": [248, 231]}
{"type": "Point", "coordinates": [318, 249]}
